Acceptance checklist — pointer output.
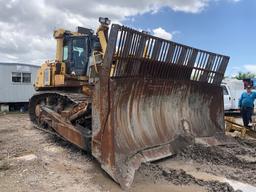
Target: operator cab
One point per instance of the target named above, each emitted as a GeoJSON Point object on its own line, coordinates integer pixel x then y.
{"type": "Point", "coordinates": [77, 50]}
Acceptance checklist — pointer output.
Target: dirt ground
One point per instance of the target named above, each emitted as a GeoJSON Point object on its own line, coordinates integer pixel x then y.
{"type": "Point", "coordinates": [32, 160]}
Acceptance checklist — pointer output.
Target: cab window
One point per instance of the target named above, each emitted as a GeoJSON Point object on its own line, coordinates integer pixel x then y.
{"type": "Point", "coordinates": [78, 52]}
{"type": "Point", "coordinates": [65, 52]}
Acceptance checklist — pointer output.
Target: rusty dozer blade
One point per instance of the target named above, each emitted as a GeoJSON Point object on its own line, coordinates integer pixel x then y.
{"type": "Point", "coordinates": [154, 97]}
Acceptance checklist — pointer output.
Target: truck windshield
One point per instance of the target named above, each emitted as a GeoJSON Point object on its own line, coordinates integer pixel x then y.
{"type": "Point", "coordinates": [225, 91]}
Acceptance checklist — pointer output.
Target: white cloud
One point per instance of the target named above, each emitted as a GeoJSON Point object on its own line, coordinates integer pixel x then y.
{"type": "Point", "coordinates": [250, 68]}
{"type": "Point", "coordinates": [26, 26]}
{"type": "Point", "coordinates": [160, 32]}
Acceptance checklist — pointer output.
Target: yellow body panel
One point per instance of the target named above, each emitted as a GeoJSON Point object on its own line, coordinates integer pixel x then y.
{"type": "Point", "coordinates": [41, 77]}
{"type": "Point", "coordinates": [102, 39]}
{"type": "Point", "coordinates": [59, 80]}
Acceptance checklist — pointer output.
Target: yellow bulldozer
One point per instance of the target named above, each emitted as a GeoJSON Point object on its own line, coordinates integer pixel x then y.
{"type": "Point", "coordinates": [128, 97]}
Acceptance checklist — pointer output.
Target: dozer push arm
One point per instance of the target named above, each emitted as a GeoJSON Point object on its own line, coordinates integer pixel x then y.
{"type": "Point", "coordinates": [98, 55]}
{"type": "Point", "coordinates": [102, 33]}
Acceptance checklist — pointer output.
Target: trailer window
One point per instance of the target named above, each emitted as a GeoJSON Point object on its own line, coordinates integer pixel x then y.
{"type": "Point", "coordinates": [16, 77]}
{"type": "Point", "coordinates": [26, 77]}
{"type": "Point", "coordinates": [225, 91]}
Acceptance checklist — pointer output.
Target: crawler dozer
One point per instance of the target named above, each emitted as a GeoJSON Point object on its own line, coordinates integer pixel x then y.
{"type": "Point", "coordinates": [128, 97]}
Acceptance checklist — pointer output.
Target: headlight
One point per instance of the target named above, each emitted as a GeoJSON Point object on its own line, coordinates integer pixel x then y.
{"type": "Point", "coordinates": [104, 21]}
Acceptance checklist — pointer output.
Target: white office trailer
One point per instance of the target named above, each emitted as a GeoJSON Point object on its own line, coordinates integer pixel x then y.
{"type": "Point", "coordinates": [16, 85]}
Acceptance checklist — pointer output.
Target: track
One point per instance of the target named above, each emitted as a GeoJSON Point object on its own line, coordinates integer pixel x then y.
{"type": "Point", "coordinates": [67, 114]}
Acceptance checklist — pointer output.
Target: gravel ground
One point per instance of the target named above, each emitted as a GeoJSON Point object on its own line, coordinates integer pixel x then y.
{"type": "Point", "coordinates": [236, 161]}
{"type": "Point", "coordinates": [31, 160]}
{"type": "Point", "coordinates": [180, 177]}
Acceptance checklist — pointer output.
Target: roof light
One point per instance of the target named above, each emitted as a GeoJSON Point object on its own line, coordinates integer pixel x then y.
{"type": "Point", "coordinates": [104, 21]}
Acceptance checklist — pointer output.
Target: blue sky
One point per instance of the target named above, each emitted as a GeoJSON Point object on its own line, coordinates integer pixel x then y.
{"type": "Point", "coordinates": [223, 27]}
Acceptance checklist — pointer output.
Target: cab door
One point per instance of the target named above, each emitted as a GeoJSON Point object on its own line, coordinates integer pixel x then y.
{"type": "Point", "coordinates": [227, 98]}
{"type": "Point", "coordinates": [76, 54]}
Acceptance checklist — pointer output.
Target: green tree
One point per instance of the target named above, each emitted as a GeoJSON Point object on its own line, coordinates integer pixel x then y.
{"type": "Point", "coordinates": [247, 75]}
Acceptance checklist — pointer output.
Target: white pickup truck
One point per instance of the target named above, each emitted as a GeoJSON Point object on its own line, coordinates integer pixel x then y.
{"type": "Point", "coordinates": [232, 90]}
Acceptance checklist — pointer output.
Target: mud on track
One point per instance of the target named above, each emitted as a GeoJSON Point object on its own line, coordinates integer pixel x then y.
{"type": "Point", "coordinates": [31, 160]}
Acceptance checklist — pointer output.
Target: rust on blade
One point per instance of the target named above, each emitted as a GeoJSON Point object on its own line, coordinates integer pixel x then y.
{"type": "Point", "coordinates": [153, 97]}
